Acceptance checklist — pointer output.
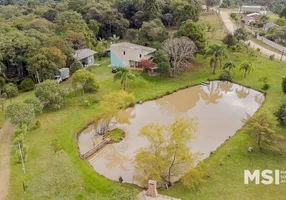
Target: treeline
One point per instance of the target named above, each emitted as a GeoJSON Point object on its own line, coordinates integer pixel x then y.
{"type": "Point", "coordinates": [39, 37]}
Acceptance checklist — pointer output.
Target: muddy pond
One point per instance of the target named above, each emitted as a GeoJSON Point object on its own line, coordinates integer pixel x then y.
{"type": "Point", "coordinates": [219, 108]}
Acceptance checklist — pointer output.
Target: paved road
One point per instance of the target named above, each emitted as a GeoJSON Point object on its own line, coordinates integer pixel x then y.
{"type": "Point", "coordinates": [5, 141]}
{"type": "Point", "coordinates": [231, 28]}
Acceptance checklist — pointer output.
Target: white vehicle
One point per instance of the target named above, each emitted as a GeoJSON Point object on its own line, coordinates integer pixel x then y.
{"type": "Point", "coordinates": [64, 74]}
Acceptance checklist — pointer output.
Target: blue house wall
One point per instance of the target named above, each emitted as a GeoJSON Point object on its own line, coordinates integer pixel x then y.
{"type": "Point", "coordinates": [115, 61]}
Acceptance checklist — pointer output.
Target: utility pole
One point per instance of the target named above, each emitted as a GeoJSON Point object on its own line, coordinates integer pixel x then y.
{"type": "Point", "coordinates": [22, 160]}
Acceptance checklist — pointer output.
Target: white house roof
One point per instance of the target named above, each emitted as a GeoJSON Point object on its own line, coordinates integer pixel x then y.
{"type": "Point", "coordinates": [127, 45]}
{"type": "Point", "coordinates": [83, 53]}
{"type": "Point", "coordinates": [252, 14]}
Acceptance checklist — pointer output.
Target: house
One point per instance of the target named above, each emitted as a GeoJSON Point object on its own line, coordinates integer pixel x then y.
{"type": "Point", "coordinates": [85, 56]}
{"type": "Point", "coordinates": [127, 54]}
{"type": "Point", "coordinates": [253, 9]}
{"type": "Point", "coordinates": [269, 25]}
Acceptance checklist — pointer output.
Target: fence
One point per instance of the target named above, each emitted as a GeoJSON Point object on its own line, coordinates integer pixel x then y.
{"type": "Point", "coordinates": [272, 44]}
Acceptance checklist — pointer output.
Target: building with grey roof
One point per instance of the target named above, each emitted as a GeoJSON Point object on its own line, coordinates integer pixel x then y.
{"type": "Point", "coordinates": [85, 56]}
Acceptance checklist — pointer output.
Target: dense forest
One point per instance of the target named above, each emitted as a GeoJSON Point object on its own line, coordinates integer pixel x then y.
{"type": "Point", "coordinates": [39, 37]}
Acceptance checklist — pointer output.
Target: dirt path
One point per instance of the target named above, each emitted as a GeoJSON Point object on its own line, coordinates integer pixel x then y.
{"type": "Point", "coordinates": [5, 142]}
{"type": "Point", "coordinates": [231, 28]}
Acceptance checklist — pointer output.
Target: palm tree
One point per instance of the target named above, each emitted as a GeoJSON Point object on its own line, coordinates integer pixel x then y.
{"type": "Point", "coordinates": [124, 74]}
{"type": "Point", "coordinates": [217, 52]}
{"type": "Point", "coordinates": [229, 66]}
{"type": "Point", "coordinates": [114, 39]}
{"type": "Point", "coordinates": [247, 67]}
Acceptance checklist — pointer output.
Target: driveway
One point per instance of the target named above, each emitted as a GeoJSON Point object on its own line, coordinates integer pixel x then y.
{"type": "Point", "coordinates": [231, 28]}
{"type": "Point", "coordinates": [5, 141]}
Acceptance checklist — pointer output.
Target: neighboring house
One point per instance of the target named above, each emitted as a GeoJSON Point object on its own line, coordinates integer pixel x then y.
{"type": "Point", "coordinates": [126, 54]}
{"type": "Point", "coordinates": [269, 25]}
{"type": "Point", "coordinates": [253, 17]}
{"type": "Point", "coordinates": [253, 9]}
{"type": "Point", "coordinates": [85, 56]}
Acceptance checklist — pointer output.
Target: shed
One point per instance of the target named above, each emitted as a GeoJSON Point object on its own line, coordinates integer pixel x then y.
{"type": "Point", "coordinates": [85, 56]}
{"type": "Point", "coordinates": [269, 25]}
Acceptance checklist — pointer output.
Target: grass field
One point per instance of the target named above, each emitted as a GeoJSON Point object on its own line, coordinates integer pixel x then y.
{"type": "Point", "coordinates": [65, 176]}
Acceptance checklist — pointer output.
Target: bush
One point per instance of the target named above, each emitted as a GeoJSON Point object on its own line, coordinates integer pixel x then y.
{"type": "Point", "coordinates": [272, 57]}
{"type": "Point", "coordinates": [284, 85]}
{"type": "Point", "coordinates": [76, 65]}
{"type": "Point", "coordinates": [266, 86]}
{"type": "Point", "coordinates": [281, 114]}
{"type": "Point", "coordinates": [91, 85]}
{"type": "Point", "coordinates": [225, 76]}
{"type": "Point", "coordinates": [11, 90]}
{"type": "Point", "coordinates": [27, 84]}
{"type": "Point", "coordinates": [115, 135]}
{"type": "Point", "coordinates": [229, 40]}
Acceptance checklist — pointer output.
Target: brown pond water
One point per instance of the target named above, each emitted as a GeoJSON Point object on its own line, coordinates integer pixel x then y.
{"type": "Point", "coordinates": [218, 107]}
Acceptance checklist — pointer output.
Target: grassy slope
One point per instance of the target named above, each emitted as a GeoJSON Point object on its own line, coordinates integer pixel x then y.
{"type": "Point", "coordinates": [226, 181]}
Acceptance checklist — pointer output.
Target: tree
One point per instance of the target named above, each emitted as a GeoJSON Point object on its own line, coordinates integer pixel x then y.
{"type": "Point", "coordinates": [94, 26]}
{"type": "Point", "coordinates": [44, 64]}
{"type": "Point", "coordinates": [151, 9]}
{"type": "Point", "coordinates": [217, 53]}
{"type": "Point", "coordinates": [124, 74]}
{"type": "Point", "coordinates": [247, 67]}
{"type": "Point", "coordinates": [180, 51]}
{"type": "Point", "coordinates": [168, 19]}
{"type": "Point", "coordinates": [49, 92]}
{"type": "Point", "coordinates": [11, 90]}
{"type": "Point", "coordinates": [27, 84]}
{"type": "Point", "coordinates": [36, 103]}
{"type": "Point", "coordinates": [210, 3]}
{"type": "Point", "coordinates": [169, 153]}
{"type": "Point", "coordinates": [283, 13]}
{"type": "Point", "coordinates": [162, 60]}
{"type": "Point", "coordinates": [114, 39]}
{"type": "Point", "coordinates": [100, 48]}
{"type": "Point", "coordinates": [230, 66]}
{"type": "Point", "coordinates": [196, 176]}
{"type": "Point", "coordinates": [131, 35]}
{"type": "Point", "coordinates": [76, 65]}
{"type": "Point", "coordinates": [189, 8]}
{"type": "Point", "coordinates": [284, 85]}
{"type": "Point", "coordinates": [241, 34]}
{"type": "Point", "coordinates": [85, 80]}
{"type": "Point", "coordinates": [153, 31]}
{"type": "Point", "coordinates": [261, 128]}
{"type": "Point", "coordinates": [195, 32]}
{"type": "Point", "coordinates": [70, 20]}
{"type": "Point", "coordinates": [111, 104]}
{"type": "Point", "coordinates": [76, 39]}
{"type": "Point", "coordinates": [20, 113]}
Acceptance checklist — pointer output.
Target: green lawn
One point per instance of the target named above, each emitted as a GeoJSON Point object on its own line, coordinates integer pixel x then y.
{"type": "Point", "coordinates": [65, 176]}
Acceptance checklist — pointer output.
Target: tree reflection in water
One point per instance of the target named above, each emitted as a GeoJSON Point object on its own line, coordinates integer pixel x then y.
{"type": "Point", "coordinates": [225, 86]}
{"type": "Point", "coordinates": [213, 93]}
{"type": "Point", "coordinates": [115, 158]}
{"type": "Point", "coordinates": [243, 92]}
{"type": "Point", "coordinates": [126, 115]}
{"type": "Point", "coordinates": [259, 98]}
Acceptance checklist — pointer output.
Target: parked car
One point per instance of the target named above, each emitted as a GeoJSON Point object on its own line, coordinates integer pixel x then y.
{"type": "Point", "coordinates": [114, 70]}
{"type": "Point", "coordinates": [64, 74]}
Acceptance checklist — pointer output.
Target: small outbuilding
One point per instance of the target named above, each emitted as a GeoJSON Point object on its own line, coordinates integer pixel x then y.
{"type": "Point", "coordinates": [85, 56]}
